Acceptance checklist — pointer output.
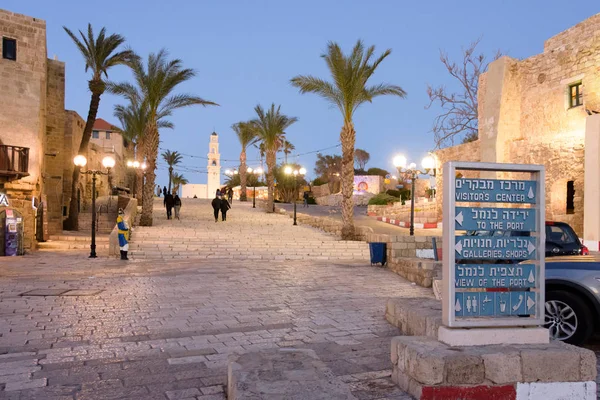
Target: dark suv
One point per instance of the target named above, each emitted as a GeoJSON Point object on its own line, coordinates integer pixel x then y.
{"type": "Point", "coordinates": [561, 239]}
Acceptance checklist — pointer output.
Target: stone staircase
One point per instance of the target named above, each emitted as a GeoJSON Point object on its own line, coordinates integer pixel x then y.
{"type": "Point", "coordinates": [247, 234]}
{"type": "Point", "coordinates": [106, 216]}
{"type": "Point", "coordinates": [73, 240]}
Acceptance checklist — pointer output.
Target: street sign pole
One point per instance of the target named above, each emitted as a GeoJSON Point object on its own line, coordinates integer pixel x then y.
{"type": "Point", "coordinates": [484, 285]}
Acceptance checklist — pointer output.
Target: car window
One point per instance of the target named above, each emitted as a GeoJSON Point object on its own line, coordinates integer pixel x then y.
{"type": "Point", "coordinates": [559, 234]}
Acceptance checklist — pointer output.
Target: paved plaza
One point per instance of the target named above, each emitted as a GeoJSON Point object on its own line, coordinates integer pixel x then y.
{"type": "Point", "coordinates": [163, 327]}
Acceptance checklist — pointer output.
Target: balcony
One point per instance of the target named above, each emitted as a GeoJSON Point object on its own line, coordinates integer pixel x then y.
{"type": "Point", "coordinates": [14, 163]}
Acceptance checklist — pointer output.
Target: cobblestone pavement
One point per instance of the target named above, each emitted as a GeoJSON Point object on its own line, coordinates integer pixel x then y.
{"type": "Point", "coordinates": [163, 329]}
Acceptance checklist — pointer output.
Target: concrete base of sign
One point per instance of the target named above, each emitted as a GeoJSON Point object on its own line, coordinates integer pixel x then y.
{"type": "Point", "coordinates": [428, 369]}
{"type": "Point", "coordinates": [491, 336]}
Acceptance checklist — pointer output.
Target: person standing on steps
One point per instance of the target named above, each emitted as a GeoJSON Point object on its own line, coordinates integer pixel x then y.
{"type": "Point", "coordinates": [224, 207]}
{"type": "Point", "coordinates": [123, 234]}
{"type": "Point", "coordinates": [169, 203]}
{"type": "Point", "coordinates": [177, 205]}
{"type": "Point", "coordinates": [230, 196]}
{"type": "Point", "coordinates": [216, 205]}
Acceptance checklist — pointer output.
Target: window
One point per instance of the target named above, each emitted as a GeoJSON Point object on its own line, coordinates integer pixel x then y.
{"type": "Point", "coordinates": [570, 197]}
{"type": "Point", "coordinates": [559, 235]}
{"type": "Point", "coordinates": [9, 49]}
{"type": "Point", "coordinates": [575, 95]}
{"type": "Point", "coordinates": [108, 135]}
{"type": "Point", "coordinates": [214, 163]}
{"type": "Point", "coordinates": [95, 135]}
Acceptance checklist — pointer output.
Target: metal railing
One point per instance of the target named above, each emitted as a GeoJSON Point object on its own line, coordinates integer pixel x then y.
{"type": "Point", "coordinates": [14, 160]}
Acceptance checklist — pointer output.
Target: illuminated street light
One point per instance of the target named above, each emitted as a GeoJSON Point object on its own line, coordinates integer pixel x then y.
{"type": "Point", "coordinates": [295, 172]}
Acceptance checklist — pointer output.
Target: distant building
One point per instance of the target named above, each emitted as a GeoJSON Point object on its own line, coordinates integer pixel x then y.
{"type": "Point", "coordinates": [207, 191]}
{"type": "Point", "coordinates": [545, 110]}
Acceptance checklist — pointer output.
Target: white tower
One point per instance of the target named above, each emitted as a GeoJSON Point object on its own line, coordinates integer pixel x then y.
{"type": "Point", "coordinates": [214, 166]}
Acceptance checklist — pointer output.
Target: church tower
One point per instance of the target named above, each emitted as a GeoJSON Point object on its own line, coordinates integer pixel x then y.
{"type": "Point", "coordinates": [214, 166]}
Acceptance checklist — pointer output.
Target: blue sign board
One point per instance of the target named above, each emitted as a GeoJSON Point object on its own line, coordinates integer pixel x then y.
{"type": "Point", "coordinates": [471, 276]}
{"type": "Point", "coordinates": [495, 191]}
{"type": "Point", "coordinates": [495, 247]}
{"type": "Point", "coordinates": [496, 219]}
{"type": "Point", "coordinates": [494, 304]}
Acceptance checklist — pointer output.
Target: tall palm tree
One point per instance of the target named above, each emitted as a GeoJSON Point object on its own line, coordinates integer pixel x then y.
{"type": "Point", "coordinates": [172, 158]}
{"type": "Point", "coordinates": [270, 129]}
{"type": "Point", "coordinates": [100, 54]}
{"type": "Point", "coordinates": [178, 180]}
{"type": "Point", "coordinates": [288, 147]}
{"type": "Point", "coordinates": [246, 136]}
{"type": "Point", "coordinates": [348, 91]}
{"type": "Point", "coordinates": [154, 84]}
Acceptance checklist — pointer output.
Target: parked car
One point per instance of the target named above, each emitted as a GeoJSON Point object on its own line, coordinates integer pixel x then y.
{"type": "Point", "coordinates": [561, 239]}
{"type": "Point", "coordinates": [572, 297]}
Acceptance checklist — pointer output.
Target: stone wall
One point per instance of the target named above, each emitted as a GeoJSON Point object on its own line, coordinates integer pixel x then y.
{"type": "Point", "coordinates": [22, 110]}
{"type": "Point", "coordinates": [74, 126]}
{"type": "Point", "coordinates": [368, 183]}
{"type": "Point", "coordinates": [425, 211]}
{"type": "Point", "coordinates": [54, 154]}
{"type": "Point", "coordinates": [320, 191]}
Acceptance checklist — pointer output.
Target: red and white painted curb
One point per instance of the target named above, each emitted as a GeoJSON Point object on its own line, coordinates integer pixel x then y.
{"type": "Point", "coordinates": [520, 391]}
{"type": "Point", "coordinates": [405, 224]}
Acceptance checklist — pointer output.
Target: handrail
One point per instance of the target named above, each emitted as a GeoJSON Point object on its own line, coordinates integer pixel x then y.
{"type": "Point", "coordinates": [98, 215]}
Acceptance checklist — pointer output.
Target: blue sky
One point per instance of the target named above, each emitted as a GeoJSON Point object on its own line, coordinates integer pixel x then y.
{"type": "Point", "coordinates": [245, 52]}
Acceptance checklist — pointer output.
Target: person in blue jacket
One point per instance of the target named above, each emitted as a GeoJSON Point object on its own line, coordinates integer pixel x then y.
{"type": "Point", "coordinates": [123, 231]}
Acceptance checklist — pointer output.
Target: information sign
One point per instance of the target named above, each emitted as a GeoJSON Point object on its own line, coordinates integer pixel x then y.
{"type": "Point", "coordinates": [493, 256]}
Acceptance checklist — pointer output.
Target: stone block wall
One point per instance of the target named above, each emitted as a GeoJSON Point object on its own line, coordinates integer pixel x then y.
{"type": "Point", "coordinates": [54, 154]}
{"type": "Point", "coordinates": [425, 211]}
{"type": "Point", "coordinates": [74, 126]}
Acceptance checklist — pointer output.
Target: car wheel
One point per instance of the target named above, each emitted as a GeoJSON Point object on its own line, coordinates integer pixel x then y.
{"type": "Point", "coordinates": [568, 318]}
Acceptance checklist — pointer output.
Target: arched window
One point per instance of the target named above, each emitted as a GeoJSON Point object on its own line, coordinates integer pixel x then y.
{"type": "Point", "coordinates": [214, 163]}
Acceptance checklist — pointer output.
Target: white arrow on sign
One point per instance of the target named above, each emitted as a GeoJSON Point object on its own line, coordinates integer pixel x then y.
{"type": "Point", "coordinates": [531, 279]}
{"type": "Point", "coordinates": [460, 218]}
{"type": "Point", "coordinates": [530, 303]}
{"type": "Point", "coordinates": [530, 194]}
{"type": "Point", "coordinates": [530, 247]}
{"type": "Point", "coordinates": [457, 307]}
{"type": "Point", "coordinates": [458, 248]}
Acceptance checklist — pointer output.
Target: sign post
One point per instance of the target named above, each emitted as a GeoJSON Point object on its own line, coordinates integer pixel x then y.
{"type": "Point", "coordinates": [493, 264]}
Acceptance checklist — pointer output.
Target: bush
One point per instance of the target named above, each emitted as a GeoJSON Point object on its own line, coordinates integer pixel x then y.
{"type": "Point", "coordinates": [319, 182]}
{"type": "Point", "coordinates": [395, 193]}
{"type": "Point", "coordinates": [311, 200]}
{"type": "Point", "coordinates": [382, 199]}
{"type": "Point", "coordinates": [377, 171]}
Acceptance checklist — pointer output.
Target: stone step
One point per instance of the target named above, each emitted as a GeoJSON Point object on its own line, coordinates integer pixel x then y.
{"type": "Point", "coordinates": [78, 238]}
{"type": "Point", "coordinates": [61, 245]}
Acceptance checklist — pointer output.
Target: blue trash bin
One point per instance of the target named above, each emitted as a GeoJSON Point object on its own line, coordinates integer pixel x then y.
{"type": "Point", "coordinates": [378, 253]}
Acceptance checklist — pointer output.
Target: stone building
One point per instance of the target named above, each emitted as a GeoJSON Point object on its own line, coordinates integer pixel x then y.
{"type": "Point", "coordinates": [544, 110]}
{"type": "Point", "coordinates": [38, 137]}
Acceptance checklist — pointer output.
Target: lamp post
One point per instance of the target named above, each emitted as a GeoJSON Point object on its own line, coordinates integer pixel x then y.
{"type": "Point", "coordinates": [404, 169]}
{"type": "Point", "coordinates": [136, 165]}
{"type": "Point", "coordinates": [291, 171]}
{"type": "Point", "coordinates": [256, 172]}
{"type": "Point", "coordinates": [107, 162]}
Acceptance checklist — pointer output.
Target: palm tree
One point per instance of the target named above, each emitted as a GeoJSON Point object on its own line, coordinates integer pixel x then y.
{"type": "Point", "coordinates": [178, 180]}
{"type": "Point", "coordinates": [287, 149]}
{"type": "Point", "coordinates": [100, 54]}
{"type": "Point", "coordinates": [270, 129]}
{"type": "Point", "coordinates": [348, 91]}
{"type": "Point", "coordinates": [154, 84]}
{"type": "Point", "coordinates": [172, 158]}
{"type": "Point", "coordinates": [246, 136]}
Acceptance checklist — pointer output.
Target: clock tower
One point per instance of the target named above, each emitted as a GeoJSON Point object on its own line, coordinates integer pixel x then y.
{"type": "Point", "coordinates": [214, 166]}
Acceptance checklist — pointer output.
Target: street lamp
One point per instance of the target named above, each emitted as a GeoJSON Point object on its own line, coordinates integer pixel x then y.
{"type": "Point", "coordinates": [136, 165]}
{"type": "Point", "coordinates": [428, 164]}
{"type": "Point", "coordinates": [108, 163]}
{"type": "Point", "coordinates": [295, 172]}
{"type": "Point", "coordinates": [257, 172]}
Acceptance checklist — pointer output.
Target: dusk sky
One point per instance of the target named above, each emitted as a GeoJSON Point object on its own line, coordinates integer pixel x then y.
{"type": "Point", "coordinates": [245, 53]}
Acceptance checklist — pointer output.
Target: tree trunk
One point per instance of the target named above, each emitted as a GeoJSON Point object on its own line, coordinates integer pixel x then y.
{"type": "Point", "coordinates": [271, 160]}
{"type": "Point", "coordinates": [170, 177]}
{"type": "Point", "coordinates": [72, 222]}
{"type": "Point", "coordinates": [243, 172]}
{"type": "Point", "coordinates": [151, 156]}
{"type": "Point", "coordinates": [348, 138]}
{"type": "Point", "coordinates": [139, 185]}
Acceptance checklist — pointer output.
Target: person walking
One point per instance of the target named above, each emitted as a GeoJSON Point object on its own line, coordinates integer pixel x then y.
{"type": "Point", "coordinates": [123, 234]}
{"type": "Point", "coordinates": [225, 206]}
{"type": "Point", "coordinates": [169, 203]}
{"type": "Point", "coordinates": [216, 205]}
{"type": "Point", "coordinates": [305, 196]}
{"type": "Point", "coordinates": [230, 196]}
{"type": "Point", "coordinates": [218, 194]}
{"type": "Point", "coordinates": [158, 191]}
{"type": "Point", "coordinates": [164, 191]}
{"type": "Point", "coordinates": [177, 205]}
